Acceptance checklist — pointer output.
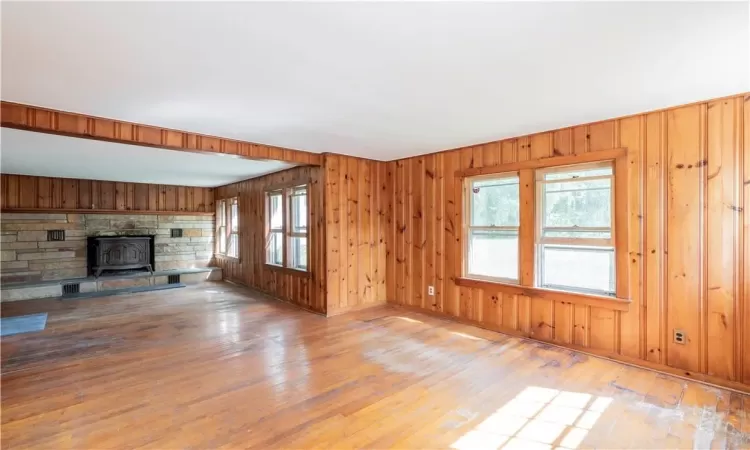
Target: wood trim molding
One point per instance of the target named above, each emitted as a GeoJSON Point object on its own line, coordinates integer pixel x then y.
{"type": "Point", "coordinates": [613, 303]}
{"type": "Point", "coordinates": [44, 120]}
{"type": "Point", "coordinates": [132, 212]}
{"type": "Point", "coordinates": [289, 184]}
{"type": "Point", "coordinates": [552, 161]}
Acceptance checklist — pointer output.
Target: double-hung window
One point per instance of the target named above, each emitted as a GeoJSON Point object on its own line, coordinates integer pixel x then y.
{"type": "Point", "coordinates": [492, 228]}
{"type": "Point", "coordinates": [275, 220]}
{"type": "Point", "coordinates": [544, 226]}
{"type": "Point", "coordinates": [287, 233]}
{"type": "Point", "coordinates": [228, 227]}
{"type": "Point", "coordinates": [574, 235]}
{"type": "Point", "coordinates": [298, 228]}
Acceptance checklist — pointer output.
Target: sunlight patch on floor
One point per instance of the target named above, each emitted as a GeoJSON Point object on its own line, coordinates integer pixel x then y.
{"type": "Point", "coordinates": [408, 319]}
{"type": "Point", "coordinates": [537, 418]}
{"type": "Point", "coordinates": [467, 336]}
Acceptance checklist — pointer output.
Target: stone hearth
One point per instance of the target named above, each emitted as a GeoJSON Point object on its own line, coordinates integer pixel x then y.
{"type": "Point", "coordinates": [27, 255]}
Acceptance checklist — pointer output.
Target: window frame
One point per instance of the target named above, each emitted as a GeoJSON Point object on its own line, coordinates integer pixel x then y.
{"type": "Point", "coordinates": [468, 227]}
{"type": "Point", "coordinates": [287, 230]}
{"type": "Point", "coordinates": [223, 227]}
{"type": "Point", "coordinates": [625, 215]}
{"type": "Point", "coordinates": [571, 243]}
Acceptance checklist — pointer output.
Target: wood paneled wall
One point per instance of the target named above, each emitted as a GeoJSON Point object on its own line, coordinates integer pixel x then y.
{"type": "Point", "coordinates": [356, 227]}
{"type": "Point", "coordinates": [306, 290]}
{"type": "Point", "coordinates": [45, 120]}
{"type": "Point", "coordinates": [689, 241]}
{"type": "Point", "coordinates": [21, 192]}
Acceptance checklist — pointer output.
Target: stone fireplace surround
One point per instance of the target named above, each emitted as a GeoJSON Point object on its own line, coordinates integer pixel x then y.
{"type": "Point", "coordinates": [27, 256]}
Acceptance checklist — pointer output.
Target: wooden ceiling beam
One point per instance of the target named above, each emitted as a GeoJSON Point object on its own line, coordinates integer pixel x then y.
{"type": "Point", "coordinates": [44, 120]}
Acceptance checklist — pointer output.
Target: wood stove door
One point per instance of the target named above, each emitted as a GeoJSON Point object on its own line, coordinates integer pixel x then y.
{"type": "Point", "coordinates": [122, 253]}
{"type": "Point", "coordinates": [129, 253]}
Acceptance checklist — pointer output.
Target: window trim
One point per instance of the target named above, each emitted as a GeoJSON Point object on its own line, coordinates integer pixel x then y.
{"type": "Point", "coordinates": [223, 227]}
{"type": "Point", "coordinates": [620, 159]}
{"type": "Point", "coordinates": [468, 228]}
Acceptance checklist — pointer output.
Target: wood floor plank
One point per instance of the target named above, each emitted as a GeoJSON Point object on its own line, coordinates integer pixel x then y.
{"type": "Point", "coordinates": [220, 366]}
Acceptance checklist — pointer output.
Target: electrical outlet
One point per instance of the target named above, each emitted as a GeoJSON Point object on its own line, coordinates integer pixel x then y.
{"type": "Point", "coordinates": [680, 337]}
{"type": "Point", "coordinates": [430, 290]}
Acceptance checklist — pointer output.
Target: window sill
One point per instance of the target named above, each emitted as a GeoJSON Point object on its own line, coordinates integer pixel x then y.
{"type": "Point", "coordinates": [599, 301]}
{"type": "Point", "coordinates": [289, 270]}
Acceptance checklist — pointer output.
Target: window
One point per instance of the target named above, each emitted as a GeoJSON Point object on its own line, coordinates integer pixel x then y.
{"type": "Point", "coordinates": [287, 216]}
{"type": "Point", "coordinates": [221, 226]}
{"type": "Point", "coordinates": [492, 231]}
{"type": "Point", "coordinates": [574, 235]}
{"type": "Point", "coordinates": [298, 232]}
{"type": "Point", "coordinates": [275, 240]}
{"type": "Point", "coordinates": [546, 224]}
{"type": "Point", "coordinates": [228, 227]}
{"type": "Point", "coordinates": [233, 248]}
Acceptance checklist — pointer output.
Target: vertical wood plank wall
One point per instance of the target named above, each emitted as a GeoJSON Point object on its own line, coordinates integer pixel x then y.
{"type": "Point", "coordinates": [689, 249]}
{"type": "Point", "coordinates": [30, 192]}
{"type": "Point", "coordinates": [355, 228]}
{"type": "Point", "coordinates": [250, 270]}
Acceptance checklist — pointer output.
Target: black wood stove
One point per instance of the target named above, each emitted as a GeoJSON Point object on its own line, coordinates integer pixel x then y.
{"type": "Point", "coordinates": [120, 253]}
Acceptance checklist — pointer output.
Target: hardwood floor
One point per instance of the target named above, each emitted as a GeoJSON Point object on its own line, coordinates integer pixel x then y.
{"type": "Point", "coordinates": [218, 366]}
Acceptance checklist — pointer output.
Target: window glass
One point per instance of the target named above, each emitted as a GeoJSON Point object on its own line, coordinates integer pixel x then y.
{"type": "Point", "coordinates": [275, 249]}
{"type": "Point", "coordinates": [298, 256]}
{"type": "Point", "coordinates": [494, 202]}
{"type": "Point", "coordinates": [221, 230]}
{"type": "Point", "coordinates": [493, 254]}
{"type": "Point", "coordinates": [299, 211]}
{"type": "Point", "coordinates": [233, 247]}
{"type": "Point", "coordinates": [578, 203]}
{"type": "Point", "coordinates": [235, 219]}
{"type": "Point", "coordinates": [275, 211]}
{"type": "Point", "coordinates": [587, 269]}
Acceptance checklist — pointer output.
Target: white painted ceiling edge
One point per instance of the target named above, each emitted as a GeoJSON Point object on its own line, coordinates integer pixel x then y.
{"type": "Point", "coordinates": [377, 80]}
{"type": "Point", "coordinates": [49, 155]}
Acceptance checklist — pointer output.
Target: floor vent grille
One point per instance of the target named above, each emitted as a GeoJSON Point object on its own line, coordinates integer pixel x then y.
{"type": "Point", "coordinates": [72, 288]}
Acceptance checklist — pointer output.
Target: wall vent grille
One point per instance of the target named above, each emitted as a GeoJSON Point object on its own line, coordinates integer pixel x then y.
{"type": "Point", "coordinates": [176, 232]}
{"type": "Point", "coordinates": [173, 279]}
{"type": "Point", "coordinates": [55, 235]}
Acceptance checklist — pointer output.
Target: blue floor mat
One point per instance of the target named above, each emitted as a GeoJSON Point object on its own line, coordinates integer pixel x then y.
{"type": "Point", "coordinates": [22, 324]}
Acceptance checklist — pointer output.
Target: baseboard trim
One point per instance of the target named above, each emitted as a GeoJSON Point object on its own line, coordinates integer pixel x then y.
{"type": "Point", "coordinates": [634, 362]}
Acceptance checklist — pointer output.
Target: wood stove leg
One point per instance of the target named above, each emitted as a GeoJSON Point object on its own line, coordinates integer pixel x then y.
{"type": "Point", "coordinates": [150, 269]}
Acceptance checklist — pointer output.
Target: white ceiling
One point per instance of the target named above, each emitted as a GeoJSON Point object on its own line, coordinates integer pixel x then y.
{"type": "Point", "coordinates": [380, 80]}
{"type": "Point", "coordinates": [48, 155]}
